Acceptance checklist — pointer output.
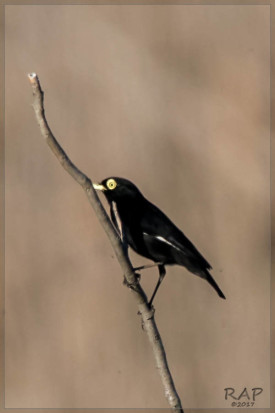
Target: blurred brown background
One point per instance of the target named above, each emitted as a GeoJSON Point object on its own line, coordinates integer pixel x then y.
{"type": "Point", "coordinates": [175, 98]}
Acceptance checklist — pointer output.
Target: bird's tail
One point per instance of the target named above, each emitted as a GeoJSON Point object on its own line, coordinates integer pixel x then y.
{"type": "Point", "coordinates": [212, 282]}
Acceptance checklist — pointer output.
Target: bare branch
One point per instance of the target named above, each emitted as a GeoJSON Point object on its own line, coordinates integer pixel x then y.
{"type": "Point", "coordinates": [147, 313]}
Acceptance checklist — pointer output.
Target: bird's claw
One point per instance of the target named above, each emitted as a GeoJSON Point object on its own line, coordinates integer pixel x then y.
{"type": "Point", "coordinates": [153, 310]}
{"type": "Point", "coordinates": [138, 276]}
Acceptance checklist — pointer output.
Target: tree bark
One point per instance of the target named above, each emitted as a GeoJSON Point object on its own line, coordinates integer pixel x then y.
{"type": "Point", "coordinates": [147, 313]}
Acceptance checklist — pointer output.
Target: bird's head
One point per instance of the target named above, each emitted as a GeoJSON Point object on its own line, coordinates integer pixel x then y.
{"type": "Point", "coordinates": [116, 189]}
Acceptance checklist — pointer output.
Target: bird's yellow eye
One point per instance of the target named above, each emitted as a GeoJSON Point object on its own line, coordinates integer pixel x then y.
{"type": "Point", "coordinates": [111, 184]}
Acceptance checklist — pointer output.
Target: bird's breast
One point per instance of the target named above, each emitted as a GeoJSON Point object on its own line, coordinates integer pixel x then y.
{"type": "Point", "coordinates": [130, 215]}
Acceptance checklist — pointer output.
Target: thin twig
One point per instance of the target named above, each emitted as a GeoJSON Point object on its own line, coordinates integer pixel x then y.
{"type": "Point", "coordinates": [147, 313]}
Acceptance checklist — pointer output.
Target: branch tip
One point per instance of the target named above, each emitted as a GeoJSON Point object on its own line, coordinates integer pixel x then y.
{"type": "Point", "coordinates": [32, 77]}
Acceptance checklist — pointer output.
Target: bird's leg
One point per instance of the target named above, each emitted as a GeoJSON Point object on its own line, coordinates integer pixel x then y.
{"type": "Point", "coordinates": [144, 267]}
{"type": "Point", "coordinates": [162, 273]}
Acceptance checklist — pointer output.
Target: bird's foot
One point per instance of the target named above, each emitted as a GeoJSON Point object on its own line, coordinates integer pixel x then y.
{"type": "Point", "coordinates": [138, 276]}
{"type": "Point", "coordinates": [152, 311]}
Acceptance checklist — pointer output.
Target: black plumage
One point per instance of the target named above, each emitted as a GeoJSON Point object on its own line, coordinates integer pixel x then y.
{"type": "Point", "coordinates": [150, 233]}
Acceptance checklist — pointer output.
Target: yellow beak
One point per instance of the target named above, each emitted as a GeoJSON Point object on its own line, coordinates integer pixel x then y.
{"type": "Point", "coordinates": [99, 187]}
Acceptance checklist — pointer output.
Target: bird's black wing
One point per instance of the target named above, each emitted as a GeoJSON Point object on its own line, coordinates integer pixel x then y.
{"type": "Point", "coordinates": [156, 225]}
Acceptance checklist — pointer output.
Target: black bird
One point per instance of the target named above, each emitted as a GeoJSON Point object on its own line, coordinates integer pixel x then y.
{"type": "Point", "coordinates": [150, 233]}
